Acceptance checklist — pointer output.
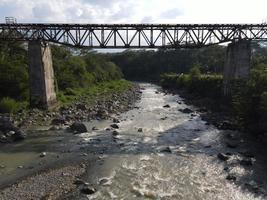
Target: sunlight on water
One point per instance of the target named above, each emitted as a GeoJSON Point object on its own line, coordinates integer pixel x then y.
{"type": "Point", "coordinates": [167, 160]}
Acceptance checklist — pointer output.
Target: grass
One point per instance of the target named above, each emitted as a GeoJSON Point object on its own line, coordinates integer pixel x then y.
{"type": "Point", "coordinates": [9, 105]}
{"type": "Point", "coordinates": [94, 92]}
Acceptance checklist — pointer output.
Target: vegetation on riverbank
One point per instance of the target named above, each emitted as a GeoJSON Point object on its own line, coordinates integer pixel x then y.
{"type": "Point", "coordinates": [77, 73]}
{"type": "Point", "coordinates": [94, 92]}
{"type": "Point", "coordinates": [248, 102]}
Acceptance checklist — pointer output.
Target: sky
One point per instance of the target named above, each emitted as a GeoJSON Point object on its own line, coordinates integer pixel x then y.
{"type": "Point", "coordinates": [135, 11]}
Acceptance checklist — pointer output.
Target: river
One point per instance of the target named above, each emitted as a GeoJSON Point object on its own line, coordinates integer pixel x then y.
{"type": "Point", "coordinates": [165, 154]}
{"type": "Point", "coordinates": [174, 157]}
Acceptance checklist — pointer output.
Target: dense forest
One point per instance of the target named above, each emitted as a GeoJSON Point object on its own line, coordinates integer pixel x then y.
{"type": "Point", "coordinates": [73, 70]}
{"type": "Point", "coordinates": [149, 65]}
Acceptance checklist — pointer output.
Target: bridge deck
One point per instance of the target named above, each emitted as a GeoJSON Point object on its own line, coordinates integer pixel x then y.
{"type": "Point", "coordinates": [134, 35]}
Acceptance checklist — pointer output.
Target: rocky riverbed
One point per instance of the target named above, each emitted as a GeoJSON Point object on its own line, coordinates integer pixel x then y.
{"type": "Point", "coordinates": [12, 127]}
{"type": "Point", "coordinates": [160, 149]}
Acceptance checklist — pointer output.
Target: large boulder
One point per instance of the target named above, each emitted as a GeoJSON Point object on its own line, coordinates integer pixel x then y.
{"type": "Point", "coordinates": [114, 126]}
{"type": "Point", "coordinates": [58, 120]}
{"type": "Point", "coordinates": [9, 132]}
{"type": "Point", "coordinates": [78, 127]}
{"type": "Point", "coordinates": [223, 156]}
{"type": "Point", "coordinates": [186, 110]}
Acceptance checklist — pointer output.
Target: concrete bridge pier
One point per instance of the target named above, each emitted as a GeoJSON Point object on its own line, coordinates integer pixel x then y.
{"type": "Point", "coordinates": [41, 73]}
{"type": "Point", "coordinates": [237, 64]}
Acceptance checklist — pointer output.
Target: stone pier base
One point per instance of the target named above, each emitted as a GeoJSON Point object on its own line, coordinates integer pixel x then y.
{"type": "Point", "coordinates": [237, 63]}
{"type": "Point", "coordinates": [41, 73]}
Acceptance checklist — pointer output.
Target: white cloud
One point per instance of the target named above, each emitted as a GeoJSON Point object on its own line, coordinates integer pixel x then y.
{"type": "Point", "coordinates": [135, 11]}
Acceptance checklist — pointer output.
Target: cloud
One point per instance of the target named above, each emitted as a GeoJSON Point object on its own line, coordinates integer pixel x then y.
{"type": "Point", "coordinates": [41, 11]}
{"type": "Point", "coordinates": [134, 11]}
{"type": "Point", "coordinates": [147, 19]}
{"type": "Point", "coordinates": [172, 13]}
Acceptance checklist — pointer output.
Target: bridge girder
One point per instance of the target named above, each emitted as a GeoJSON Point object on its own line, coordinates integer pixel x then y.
{"type": "Point", "coordinates": [134, 35]}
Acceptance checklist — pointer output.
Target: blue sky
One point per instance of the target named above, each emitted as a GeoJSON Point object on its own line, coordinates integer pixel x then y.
{"type": "Point", "coordinates": [135, 11]}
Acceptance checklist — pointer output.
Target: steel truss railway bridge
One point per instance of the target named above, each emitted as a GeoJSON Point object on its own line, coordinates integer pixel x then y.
{"type": "Point", "coordinates": [136, 36]}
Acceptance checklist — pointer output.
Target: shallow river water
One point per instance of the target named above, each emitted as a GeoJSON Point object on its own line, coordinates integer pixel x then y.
{"type": "Point", "coordinates": [174, 157]}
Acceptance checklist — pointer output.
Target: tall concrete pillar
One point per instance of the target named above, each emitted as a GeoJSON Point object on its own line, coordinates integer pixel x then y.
{"type": "Point", "coordinates": [41, 73]}
{"type": "Point", "coordinates": [237, 63]}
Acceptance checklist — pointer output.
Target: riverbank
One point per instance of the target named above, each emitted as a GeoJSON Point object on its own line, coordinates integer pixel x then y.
{"type": "Point", "coordinates": [52, 159]}
{"type": "Point", "coordinates": [96, 103]}
{"type": "Point", "coordinates": [217, 112]}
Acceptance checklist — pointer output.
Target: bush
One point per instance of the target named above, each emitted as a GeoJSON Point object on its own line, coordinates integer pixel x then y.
{"type": "Point", "coordinates": [195, 73]}
{"type": "Point", "coordinates": [201, 84]}
{"type": "Point", "coordinates": [8, 105]}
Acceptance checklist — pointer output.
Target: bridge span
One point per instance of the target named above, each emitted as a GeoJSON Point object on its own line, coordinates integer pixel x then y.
{"type": "Point", "coordinates": [136, 36]}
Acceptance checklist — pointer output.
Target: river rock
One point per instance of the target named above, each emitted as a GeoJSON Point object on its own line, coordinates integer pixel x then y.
{"type": "Point", "coordinates": [247, 162]}
{"type": "Point", "coordinates": [231, 177]}
{"type": "Point", "coordinates": [186, 110]}
{"type": "Point", "coordinates": [115, 133]}
{"type": "Point", "coordinates": [140, 130]}
{"type": "Point", "coordinates": [88, 190]}
{"type": "Point", "coordinates": [58, 121]}
{"type": "Point", "coordinates": [103, 114]}
{"type": "Point", "coordinates": [166, 106]}
{"type": "Point", "coordinates": [78, 127]}
{"type": "Point", "coordinates": [223, 156]}
{"type": "Point", "coordinates": [43, 154]}
{"type": "Point", "coordinates": [19, 135]}
{"type": "Point", "coordinates": [163, 118]}
{"type": "Point", "coordinates": [166, 150]}
{"type": "Point", "coordinates": [115, 120]}
{"type": "Point", "coordinates": [114, 126]}
{"type": "Point", "coordinates": [95, 128]}
{"type": "Point", "coordinates": [11, 132]}
{"type": "Point", "coordinates": [80, 182]}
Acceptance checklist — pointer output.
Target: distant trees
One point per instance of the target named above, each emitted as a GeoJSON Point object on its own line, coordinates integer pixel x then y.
{"type": "Point", "coordinates": [149, 65]}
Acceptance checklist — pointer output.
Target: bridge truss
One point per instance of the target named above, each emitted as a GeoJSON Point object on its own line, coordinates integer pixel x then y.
{"type": "Point", "coordinates": [134, 35]}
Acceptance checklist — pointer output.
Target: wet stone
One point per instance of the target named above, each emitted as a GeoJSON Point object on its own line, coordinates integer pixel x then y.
{"type": "Point", "coordinates": [114, 126]}
{"type": "Point", "coordinates": [88, 190]}
{"type": "Point", "coordinates": [115, 133]}
{"type": "Point", "coordinates": [163, 118]}
{"type": "Point", "coordinates": [166, 106]}
{"type": "Point", "coordinates": [80, 182]}
{"type": "Point", "coordinates": [231, 177]}
{"type": "Point", "coordinates": [95, 128]}
{"type": "Point", "coordinates": [247, 162]}
{"type": "Point", "coordinates": [43, 154]}
{"type": "Point", "coordinates": [115, 120]}
{"type": "Point", "coordinates": [166, 150]}
{"type": "Point", "coordinates": [223, 156]}
{"type": "Point", "coordinates": [186, 110]}
{"type": "Point", "coordinates": [2, 166]}
{"type": "Point", "coordinates": [78, 127]}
